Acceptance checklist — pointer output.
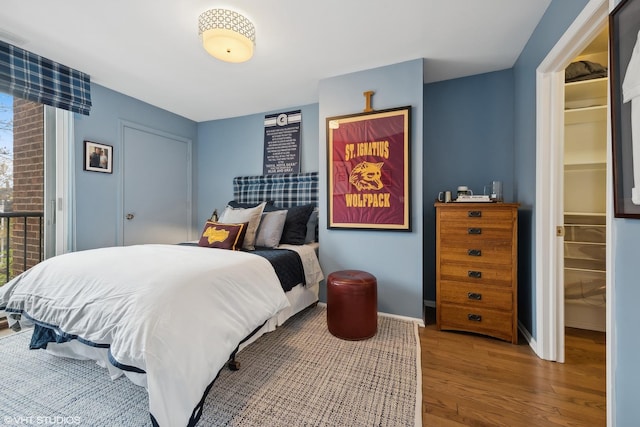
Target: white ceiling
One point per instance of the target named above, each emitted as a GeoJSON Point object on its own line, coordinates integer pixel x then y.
{"type": "Point", "coordinates": [150, 50]}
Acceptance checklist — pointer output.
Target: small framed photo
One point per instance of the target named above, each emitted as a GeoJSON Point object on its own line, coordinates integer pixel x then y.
{"type": "Point", "coordinates": [98, 157]}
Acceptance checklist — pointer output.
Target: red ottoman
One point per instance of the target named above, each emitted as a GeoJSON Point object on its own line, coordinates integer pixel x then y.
{"type": "Point", "coordinates": [352, 304]}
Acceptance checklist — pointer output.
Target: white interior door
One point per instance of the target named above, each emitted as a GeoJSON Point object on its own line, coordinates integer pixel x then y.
{"type": "Point", "coordinates": [156, 186]}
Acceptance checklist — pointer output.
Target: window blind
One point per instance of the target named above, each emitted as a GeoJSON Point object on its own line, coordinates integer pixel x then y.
{"type": "Point", "coordinates": [32, 77]}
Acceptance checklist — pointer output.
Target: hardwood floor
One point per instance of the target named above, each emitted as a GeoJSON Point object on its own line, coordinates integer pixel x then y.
{"type": "Point", "coordinates": [469, 380]}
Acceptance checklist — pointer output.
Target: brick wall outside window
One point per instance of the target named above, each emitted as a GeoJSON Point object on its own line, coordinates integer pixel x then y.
{"type": "Point", "coordinates": [28, 180]}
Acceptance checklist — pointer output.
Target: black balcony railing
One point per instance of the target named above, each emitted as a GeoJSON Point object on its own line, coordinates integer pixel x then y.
{"type": "Point", "coordinates": [10, 234]}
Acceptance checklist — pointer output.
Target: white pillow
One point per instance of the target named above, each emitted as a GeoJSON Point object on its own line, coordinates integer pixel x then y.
{"type": "Point", "coordinates": [270, 229]}
{"type": "Point", "coordinates": [250, 215]}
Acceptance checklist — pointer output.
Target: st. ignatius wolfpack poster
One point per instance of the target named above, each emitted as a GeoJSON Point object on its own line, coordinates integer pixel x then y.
{"type": "Point", "coordinates": [368, 161]}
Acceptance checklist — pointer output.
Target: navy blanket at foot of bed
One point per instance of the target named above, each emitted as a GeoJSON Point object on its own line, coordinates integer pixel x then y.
{"type": "Point", "coordinates": [287, 264]}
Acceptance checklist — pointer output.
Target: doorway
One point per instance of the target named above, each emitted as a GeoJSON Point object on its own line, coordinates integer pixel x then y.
{"type": "Point", "coordinates": [156, 197]}
{"type": "Point", "coordinates": [585, 177]}
{"type": "Point", "coordinates": [550, 321]}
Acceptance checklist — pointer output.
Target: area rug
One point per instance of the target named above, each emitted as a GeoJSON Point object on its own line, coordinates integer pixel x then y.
{"type": "Point", "coordinates": [298, 375]}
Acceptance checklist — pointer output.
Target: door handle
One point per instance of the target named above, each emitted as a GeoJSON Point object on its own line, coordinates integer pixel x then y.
{"type": "Point", "coordinates": [129, 216]}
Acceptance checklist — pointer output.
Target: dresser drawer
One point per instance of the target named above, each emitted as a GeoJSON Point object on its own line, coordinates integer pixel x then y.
{"type": "Point", "coordinates": [476, 231]}
{"type": "Point", "coordinates": [478, 252]}
{"type": "Point", "coordinates": [477, 213]}
{"type": "Point", "coordinates": [495, 323]}
{"type": "Point", "coordinates": [476, 296]}
{"type": "Point", "coordinates": [477, 274]}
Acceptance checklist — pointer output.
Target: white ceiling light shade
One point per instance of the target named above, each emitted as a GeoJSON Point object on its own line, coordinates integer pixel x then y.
{"type": "Point", "coordinates": [227, 35]}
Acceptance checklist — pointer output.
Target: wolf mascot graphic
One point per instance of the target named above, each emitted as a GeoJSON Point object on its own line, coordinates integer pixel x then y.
{"type": "Point", "coordinates": [366, 176]}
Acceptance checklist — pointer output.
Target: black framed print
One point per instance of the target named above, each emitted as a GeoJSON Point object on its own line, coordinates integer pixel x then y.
{"type": "Point", "coordinates": [624, 77]}
{"type": "Point", "coordinates": [98, 157]}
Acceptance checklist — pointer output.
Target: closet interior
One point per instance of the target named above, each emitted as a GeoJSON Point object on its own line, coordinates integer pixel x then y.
{"type": "Point", "coordinates": [585, 171]}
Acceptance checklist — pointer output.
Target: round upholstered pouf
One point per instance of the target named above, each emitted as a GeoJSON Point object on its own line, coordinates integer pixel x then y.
{"type": "Point", "coordinates": [352, 304]}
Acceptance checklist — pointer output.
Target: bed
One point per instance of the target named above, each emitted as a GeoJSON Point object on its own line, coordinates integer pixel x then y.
{"type": "Point", "coordinates": [170, 317]}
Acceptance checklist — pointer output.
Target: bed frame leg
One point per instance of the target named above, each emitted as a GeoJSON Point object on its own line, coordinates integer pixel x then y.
{"type": "Point", "coordinates": [233, 364]}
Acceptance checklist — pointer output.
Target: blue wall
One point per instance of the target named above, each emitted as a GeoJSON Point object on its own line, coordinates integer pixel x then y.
{"type": "Point", "coordinates": [559, 15]}
{"type": "Point", "coordinates": [97, 196]}
{"type": "Point", "coordinates": [233, 147]}
{"type": "Point", "coordinates": [393, 257]}
{"type": "Point", "coordinates": [626, 246]}
{"type": "Point", "coordinates": [626, 238]}
{"type": "Point", "coordinates": [468, 140]}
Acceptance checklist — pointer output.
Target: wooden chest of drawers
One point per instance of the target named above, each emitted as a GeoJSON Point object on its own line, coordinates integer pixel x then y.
{"type": "Point", "coordinates": [476, 268]}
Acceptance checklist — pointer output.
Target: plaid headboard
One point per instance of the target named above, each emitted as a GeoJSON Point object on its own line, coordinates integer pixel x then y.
{"type": "Point", "coordinates": [285, 190]}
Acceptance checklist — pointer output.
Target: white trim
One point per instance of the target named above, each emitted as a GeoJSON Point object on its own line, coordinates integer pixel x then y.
{"type": "Point", "coordinates": [549, 125]}
{"type": "Point", "coordinates": [528, 337]}
{"type": "Point", "coordinates": [611, 341]}
{"type": "Point", "coordinates": [549, 206]}
{"type": "Point", "coordinates": [65, 180]}
{"type": "Point", "coordinates": [419, 322]}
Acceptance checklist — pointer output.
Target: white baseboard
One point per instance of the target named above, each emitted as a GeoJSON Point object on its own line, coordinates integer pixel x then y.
{"type": "Point", "coordinates": [528, 337]}
{"type": "Point", "coordinates": [420, 322]}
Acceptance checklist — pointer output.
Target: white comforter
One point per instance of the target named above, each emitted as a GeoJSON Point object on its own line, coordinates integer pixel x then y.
{"type": "Point", "coordinates": [176, 312]}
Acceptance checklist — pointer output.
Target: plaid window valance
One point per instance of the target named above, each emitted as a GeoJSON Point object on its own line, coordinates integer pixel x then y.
{"type": "Point", "coordinates": [32, 77]}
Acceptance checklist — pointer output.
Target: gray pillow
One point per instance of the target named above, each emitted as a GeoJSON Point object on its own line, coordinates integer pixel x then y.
{"type": "Point", "coordinates": [270, 229]}
{"type": "Point", "coordinates": [250, 215]}
{"type": "Point", "coordinates": [295, 227]}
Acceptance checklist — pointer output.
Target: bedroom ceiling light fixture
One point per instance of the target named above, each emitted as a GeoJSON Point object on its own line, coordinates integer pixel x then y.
{"type": "Point", "coordinates": [227, 35]}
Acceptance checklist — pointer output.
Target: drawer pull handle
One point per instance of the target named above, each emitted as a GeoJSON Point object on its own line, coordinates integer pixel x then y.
{"type": "Point", "coordinates": [474, 317]}
{"type": "Point", "coordinates": [474, 230]}
{"type": "Point", "coordinates": [475, 274]}
{"type": "Point", "coordinates": [474, 252]}
{"type": "Point", "coordinates": [475, 214]}
{"type": "Point", "coordinates": [474, 296]}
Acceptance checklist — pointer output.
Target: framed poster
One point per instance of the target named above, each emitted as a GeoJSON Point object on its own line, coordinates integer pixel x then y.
{"type": "Point", "coordinates": [98, 157]}
{"type": "Point", "coordinates": [282, 143]}
{"type": "Point", "coordinates": [624, 78]}
{"type": "Point", "coordinates": [368, 170]}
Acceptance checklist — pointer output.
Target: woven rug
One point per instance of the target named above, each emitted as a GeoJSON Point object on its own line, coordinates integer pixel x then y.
{"type": "Point", "coordinates": [298, 375]}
